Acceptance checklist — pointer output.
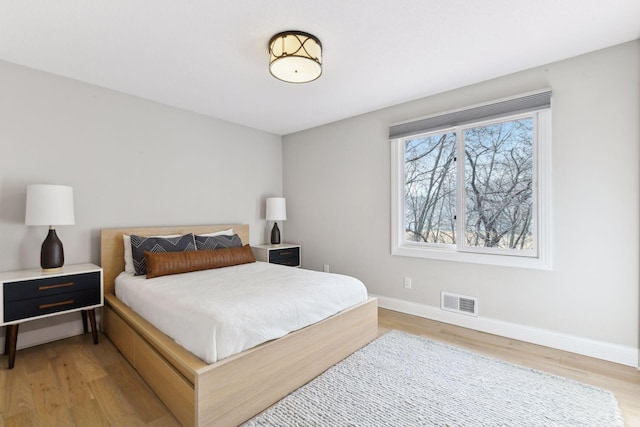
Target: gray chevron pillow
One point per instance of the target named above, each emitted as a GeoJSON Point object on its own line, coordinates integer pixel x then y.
{"type": "Point", "coordinates": [217, 242]}
{"type": "Point", "coordinates": [140, 244]}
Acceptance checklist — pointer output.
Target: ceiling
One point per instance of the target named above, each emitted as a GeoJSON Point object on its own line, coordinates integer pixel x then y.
{"type": "Point", "coordinates": [211, 56]}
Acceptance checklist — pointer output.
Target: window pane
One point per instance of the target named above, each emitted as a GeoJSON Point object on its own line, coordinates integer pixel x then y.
{"type": "Point", "coordinates": [499, 185]}
{"type": "Point", "coordinates": [430, 188]}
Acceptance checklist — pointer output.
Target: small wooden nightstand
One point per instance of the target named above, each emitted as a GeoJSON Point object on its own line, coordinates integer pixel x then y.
{"type": "Point", "coordinates": [31, 294]}
{"type": "Point", "coordinates": [284, 253]}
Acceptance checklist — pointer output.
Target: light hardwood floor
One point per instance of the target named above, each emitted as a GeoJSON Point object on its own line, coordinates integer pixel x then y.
{"type": "Point", "coordinates": [75, 383]}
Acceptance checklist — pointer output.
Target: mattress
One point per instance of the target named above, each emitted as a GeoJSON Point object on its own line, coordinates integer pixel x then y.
{"type": "Point", "coordinates": [220, 312]}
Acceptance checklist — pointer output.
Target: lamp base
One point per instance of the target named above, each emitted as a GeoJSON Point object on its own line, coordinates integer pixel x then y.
{"type": "Point", "coordinates": [275, 234]}
{"type": "Point", "coordinates": [52, 253]}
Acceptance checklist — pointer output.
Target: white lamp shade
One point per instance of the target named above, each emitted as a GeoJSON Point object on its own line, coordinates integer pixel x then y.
{"type": "Point", "coordinates": [276, 209]}
{"type": "Point", "coordinates": [49, 205]}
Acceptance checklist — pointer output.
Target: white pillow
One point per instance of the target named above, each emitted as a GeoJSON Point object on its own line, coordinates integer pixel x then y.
{"type": "Point", "coordinates": [128, 254]}
{"type": "Point", "coordinates": [228, 232]}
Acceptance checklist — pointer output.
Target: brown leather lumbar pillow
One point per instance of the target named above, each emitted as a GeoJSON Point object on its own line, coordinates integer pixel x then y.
{"type": "Point", "coordinates": [165, 263]}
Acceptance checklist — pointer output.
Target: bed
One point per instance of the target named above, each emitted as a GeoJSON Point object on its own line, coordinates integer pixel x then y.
{"type": "Point", "coordinates": [235, 388]}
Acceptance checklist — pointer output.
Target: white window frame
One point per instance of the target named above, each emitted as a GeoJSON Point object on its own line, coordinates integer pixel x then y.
{"type": "Point", "coordinates": [542, 184]}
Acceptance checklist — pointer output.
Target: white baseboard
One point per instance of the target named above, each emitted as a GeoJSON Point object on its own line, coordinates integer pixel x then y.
{"type": "Point", "coordinates": [575, 344]}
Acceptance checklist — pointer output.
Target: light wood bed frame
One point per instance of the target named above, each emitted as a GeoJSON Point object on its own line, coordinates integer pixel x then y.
{"type": "Point", "coordinates": [234, 389]}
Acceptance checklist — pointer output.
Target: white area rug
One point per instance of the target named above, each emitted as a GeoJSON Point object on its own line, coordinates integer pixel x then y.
{"type": "Point", "coordinates": [404, 380]}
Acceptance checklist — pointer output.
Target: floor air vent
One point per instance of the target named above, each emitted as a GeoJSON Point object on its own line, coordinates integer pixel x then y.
{"type": "Point", "coordinates": [459, 303]}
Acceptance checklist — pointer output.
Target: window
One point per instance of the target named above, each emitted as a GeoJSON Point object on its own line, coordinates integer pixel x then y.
{"type": "Point", "coordinates": [473, 185]}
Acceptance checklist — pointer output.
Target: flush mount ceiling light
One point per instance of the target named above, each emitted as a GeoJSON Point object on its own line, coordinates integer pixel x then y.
{"type": "Point", "coordinates": [296, 57]}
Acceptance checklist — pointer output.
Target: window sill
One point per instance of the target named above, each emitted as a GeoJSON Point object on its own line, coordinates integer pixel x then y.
{"type": "Point", "coordinates": [540, 263]}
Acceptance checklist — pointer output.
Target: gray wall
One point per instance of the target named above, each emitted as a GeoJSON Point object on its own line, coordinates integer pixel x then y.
{"type": "Point", "coordinates": [337, 185]}
{"type": "Point", "coordinates": [131, 162]}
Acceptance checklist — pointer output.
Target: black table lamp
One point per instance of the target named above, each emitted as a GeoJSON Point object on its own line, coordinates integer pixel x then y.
{"type": "Point", "coordinates": [50, 205]}
{"type": "Point", "coordinates": [276, 211]}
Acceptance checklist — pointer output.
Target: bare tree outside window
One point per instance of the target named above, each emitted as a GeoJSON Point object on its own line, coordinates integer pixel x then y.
{"type": "Point", "coordinates": [430, 189]}
{"type": "Point", "coordinates": [498, 186]}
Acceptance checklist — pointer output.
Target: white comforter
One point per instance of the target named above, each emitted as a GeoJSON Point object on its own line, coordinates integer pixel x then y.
{"type": "Point", "coordinates": [217, 313]}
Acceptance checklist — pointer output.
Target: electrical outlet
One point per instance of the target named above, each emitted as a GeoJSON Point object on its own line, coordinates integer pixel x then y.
{"type": "Point", "coordinates": [407, 282]}
{"type": "Point", "coordinates": [325, 268]}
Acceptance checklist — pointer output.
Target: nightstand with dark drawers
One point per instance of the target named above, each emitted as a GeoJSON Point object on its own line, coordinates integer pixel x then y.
{"type": "Point", "coordinates": [31, 294]}
{"type": "Point", "coordinates": [284, 254]}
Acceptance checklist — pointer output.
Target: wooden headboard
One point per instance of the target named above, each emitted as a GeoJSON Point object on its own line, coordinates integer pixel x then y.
{"type": "Point", "coordinates": [112, 246]}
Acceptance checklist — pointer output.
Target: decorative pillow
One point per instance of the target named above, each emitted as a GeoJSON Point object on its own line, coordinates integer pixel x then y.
{"type": "Point", "coordinates": [140, 244]}
{"type": "Point", "coordinates": [128, 255]}
{"type": "Point", "coordinates": [165, 263]}
{"type": "Point", "coordinates": [227, 232]}
{"type": "Point", "coordinates": [217, 242]}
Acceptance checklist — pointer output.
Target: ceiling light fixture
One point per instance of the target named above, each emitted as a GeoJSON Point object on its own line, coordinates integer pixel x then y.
{"type": "Point", "coordinates": [295, 57]}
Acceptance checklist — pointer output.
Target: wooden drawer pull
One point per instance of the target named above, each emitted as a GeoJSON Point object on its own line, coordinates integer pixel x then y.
{"type": "Point", "coordinates": [285, 253]}
{"type": "Point", "coordinates": [56, 304]}
{"type": "Point", "coordinates": [61, 285]}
